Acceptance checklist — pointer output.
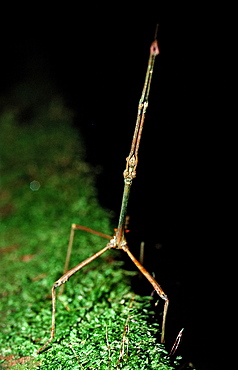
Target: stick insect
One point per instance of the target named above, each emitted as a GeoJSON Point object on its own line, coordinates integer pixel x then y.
{"type": "Point", "coordinates": [118, 241]}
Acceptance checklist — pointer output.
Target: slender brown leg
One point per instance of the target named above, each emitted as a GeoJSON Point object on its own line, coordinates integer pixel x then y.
{"type": "Point", "coordinates": [156, 286]}
{"type": "Point", "coordinates": [71, 239]}
{"type": "Point", "coordinates": [63, 280]}
{"type": "Point", "coordinates": [53, 322]}
{"type": "Point", "coordinates": [68, 255]}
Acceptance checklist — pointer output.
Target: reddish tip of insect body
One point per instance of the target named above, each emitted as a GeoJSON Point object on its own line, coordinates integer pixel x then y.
{"type": "Point", "coordinates": [154, 49]}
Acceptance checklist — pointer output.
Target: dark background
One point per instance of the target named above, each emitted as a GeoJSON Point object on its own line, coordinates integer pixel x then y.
{"type": "Point", "coordinates": [181, 199]}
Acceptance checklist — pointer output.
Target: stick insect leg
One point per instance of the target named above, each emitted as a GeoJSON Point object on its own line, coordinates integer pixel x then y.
{"type": "Point", "coordinates": [52, 323]}
{"type": "Point", "coordinates": [156, 286]}
{"type": "Point", "coordinates": [71, 239]}
{"type": "Point", "coordinates": [63, 280]}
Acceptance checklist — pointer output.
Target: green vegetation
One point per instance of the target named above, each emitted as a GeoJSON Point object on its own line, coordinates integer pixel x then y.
{"type": "Point", "coordinates": [45, 186]}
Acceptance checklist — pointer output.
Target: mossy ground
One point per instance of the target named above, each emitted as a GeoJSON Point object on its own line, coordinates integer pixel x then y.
{"type": "Point", "coordinates": [100, 322]}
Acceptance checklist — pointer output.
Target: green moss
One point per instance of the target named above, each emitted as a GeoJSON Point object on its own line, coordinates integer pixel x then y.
{"type": "Point", "coordinates": [105, 326]}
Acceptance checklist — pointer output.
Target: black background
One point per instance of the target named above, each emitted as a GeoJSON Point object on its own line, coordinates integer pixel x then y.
{"type": "Point", "coordinates": [182, 197]}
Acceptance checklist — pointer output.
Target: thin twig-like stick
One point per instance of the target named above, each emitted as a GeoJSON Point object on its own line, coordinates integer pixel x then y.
{"type": "Point", "coordinates": [176, 343]}
{"type": "Point", "coordinates": [125, 332]}
{"type": "Point", "coordinates": [142, 250]}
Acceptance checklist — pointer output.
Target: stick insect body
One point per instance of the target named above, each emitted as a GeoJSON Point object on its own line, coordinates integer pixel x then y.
{"type": "Point", "coordinates": [118, 241]}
